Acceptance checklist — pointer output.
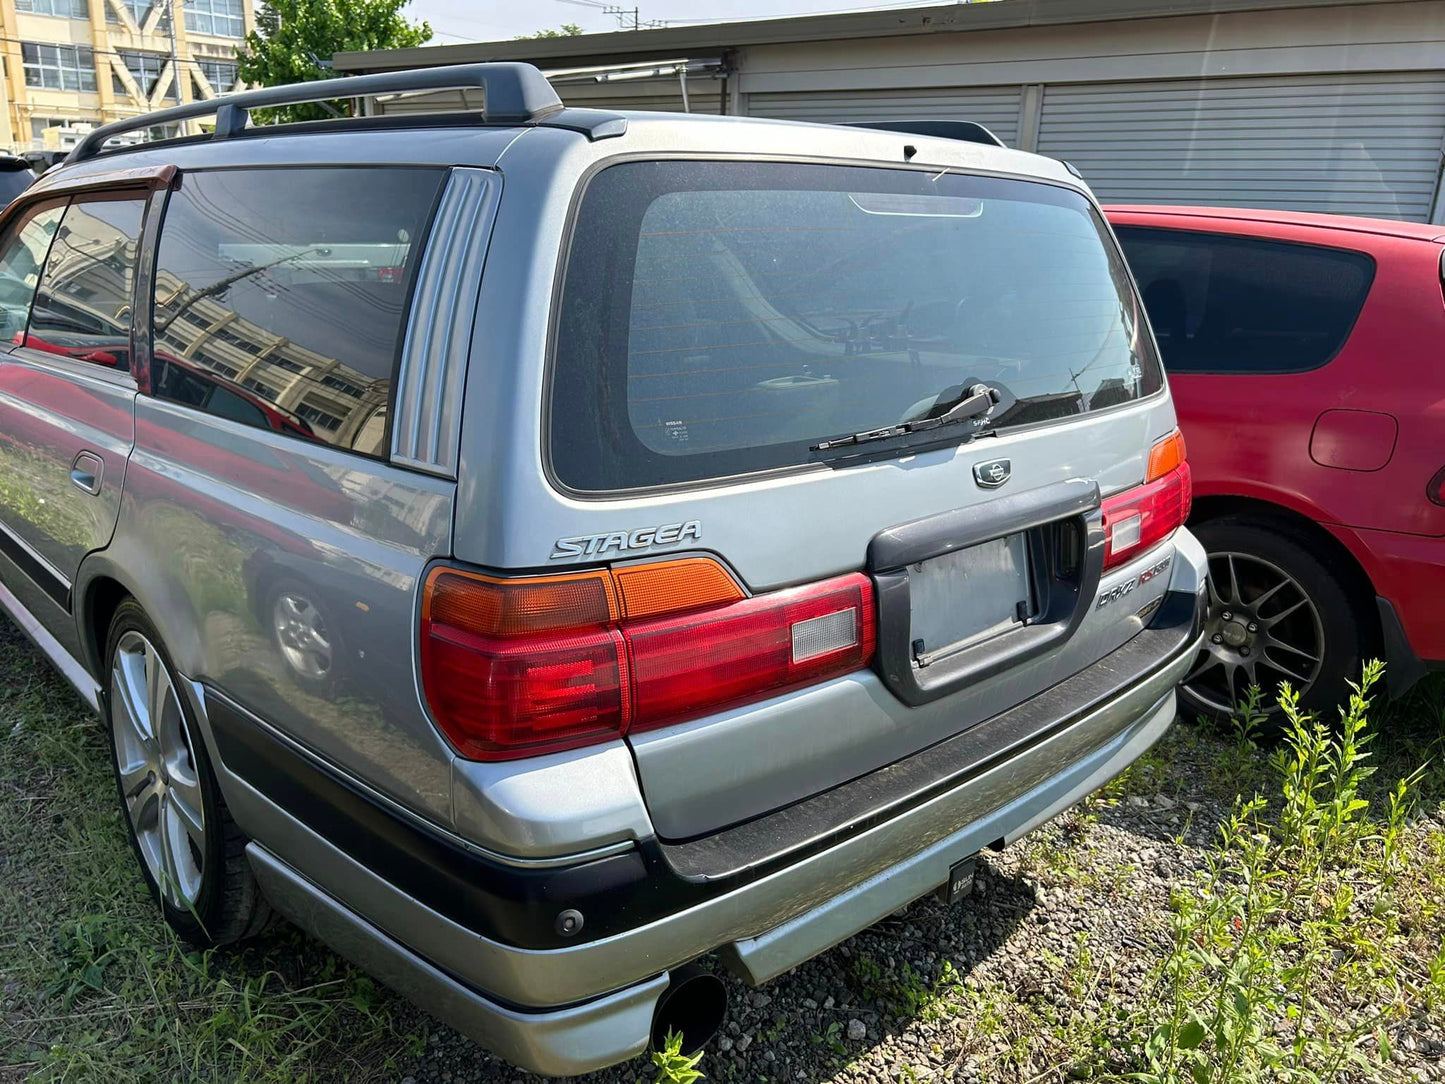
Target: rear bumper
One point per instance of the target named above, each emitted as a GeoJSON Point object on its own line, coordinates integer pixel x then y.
{"type": "Point", "coordinates": [582, 1006]}
{"type": "Point", "coordinates": [1408, 572]}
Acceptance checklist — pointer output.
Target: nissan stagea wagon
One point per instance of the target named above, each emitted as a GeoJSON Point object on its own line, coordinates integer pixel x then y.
{"type": "Point", "coordinates": [536, 548]}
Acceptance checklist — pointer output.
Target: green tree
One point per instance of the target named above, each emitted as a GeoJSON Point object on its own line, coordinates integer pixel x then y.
{"type": "Point", "coordinates": [566, 30]}
{"type": "Point", "coordinates": [293, 37]}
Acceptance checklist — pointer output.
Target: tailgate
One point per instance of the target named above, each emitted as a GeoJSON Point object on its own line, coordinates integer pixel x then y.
{"type": "Point", "coordinates": [807, 370]}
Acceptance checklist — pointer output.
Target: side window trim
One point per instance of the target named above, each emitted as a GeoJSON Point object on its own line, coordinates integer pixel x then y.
{"type": "Point", "coordinates": [143, 307]}
{"type": "Point", "coordinates": [430, 374]}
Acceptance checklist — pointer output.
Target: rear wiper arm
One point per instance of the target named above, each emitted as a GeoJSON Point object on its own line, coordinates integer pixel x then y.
{"type": "Point", "coordinates": [975, 402]}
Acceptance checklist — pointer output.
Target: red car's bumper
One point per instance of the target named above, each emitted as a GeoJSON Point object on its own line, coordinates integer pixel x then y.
{"type": "Point", "coordinates": [1408, 572]}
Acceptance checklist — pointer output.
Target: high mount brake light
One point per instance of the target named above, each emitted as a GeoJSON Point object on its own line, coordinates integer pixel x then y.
{"type": "Point", "coordinates": [1140, 517]}
{"type": "Point", "coordinates": [520, 667]}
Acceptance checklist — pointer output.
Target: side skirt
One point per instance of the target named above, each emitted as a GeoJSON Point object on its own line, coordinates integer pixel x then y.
{"type": "Point", "coordinates": [50, 647]}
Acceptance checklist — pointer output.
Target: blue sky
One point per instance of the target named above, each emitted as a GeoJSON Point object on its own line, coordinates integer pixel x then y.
{"type": "Point", "coordinates": [490, 20]}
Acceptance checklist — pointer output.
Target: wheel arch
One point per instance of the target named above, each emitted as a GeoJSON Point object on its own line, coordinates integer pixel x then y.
{"type": "Point", "coordinates": [1352, 575]}
{"type": "Point", "coordinates": [97, 600]}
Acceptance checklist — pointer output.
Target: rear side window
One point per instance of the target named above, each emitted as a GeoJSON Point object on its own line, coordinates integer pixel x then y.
{"type": "Point", "coordinates": [719, 318]}
{"type": "Point", "coordinates": [281, 296]}
{"type": "Point", "coordinates": [1227, 304]}
{"type": "Point", "coordinates": [83, 307]}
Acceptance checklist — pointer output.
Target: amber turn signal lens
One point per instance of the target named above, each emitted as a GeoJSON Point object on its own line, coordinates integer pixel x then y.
{"type": "Point", "coordinates": [669, 587]}
{"type": "Point", "coordinates": [489, 606]}
{"type": "Point", "coordinates": [1165, 456]}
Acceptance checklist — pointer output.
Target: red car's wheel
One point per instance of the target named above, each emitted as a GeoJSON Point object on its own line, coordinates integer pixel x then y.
{"type": "Point", "coordinates": [1276, 615]}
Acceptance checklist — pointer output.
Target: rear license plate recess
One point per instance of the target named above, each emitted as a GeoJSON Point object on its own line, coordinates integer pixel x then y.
{"type": "Point", "coordinates": [963, 598]}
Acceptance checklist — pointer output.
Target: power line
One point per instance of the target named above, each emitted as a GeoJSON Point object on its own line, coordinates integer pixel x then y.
{"type": "Point", "coordinates": [620, 13]}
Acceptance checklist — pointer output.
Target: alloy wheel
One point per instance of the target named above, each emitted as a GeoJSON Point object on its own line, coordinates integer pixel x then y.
{"type": "Point", "coordinates": [1263, 629]}
{"type": "Point", "coordinates": [159, 778]}
{"type": "Point", "coordinates": [302, 635]}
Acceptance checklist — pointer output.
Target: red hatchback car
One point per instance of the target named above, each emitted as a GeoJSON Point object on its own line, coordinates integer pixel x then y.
{"type": "Point", "coordinates": [1306, 354]}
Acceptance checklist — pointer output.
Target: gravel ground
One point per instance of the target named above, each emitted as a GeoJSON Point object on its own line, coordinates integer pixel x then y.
{"type": "Point", "coordinates": [1058, 937]}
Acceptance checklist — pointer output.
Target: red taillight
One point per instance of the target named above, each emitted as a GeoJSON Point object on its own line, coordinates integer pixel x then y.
{"type": "Point", "coordinates": [687, 666]}
{"type": "Point", "coordinates": [519, 667]}
{"type": "Point", "coordinates": [1141, 517]}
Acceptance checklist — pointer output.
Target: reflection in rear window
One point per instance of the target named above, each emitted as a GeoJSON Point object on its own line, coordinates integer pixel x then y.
{"type": "Point", "coordinates": [721, 318]}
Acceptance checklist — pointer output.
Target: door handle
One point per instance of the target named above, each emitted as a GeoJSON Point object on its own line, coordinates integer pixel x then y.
{"type": "Point", "coordinates": [86, 472]}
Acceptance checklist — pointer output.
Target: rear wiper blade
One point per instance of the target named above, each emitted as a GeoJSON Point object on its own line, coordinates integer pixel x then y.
{"type": "Point", "coordinates": [975, 402]}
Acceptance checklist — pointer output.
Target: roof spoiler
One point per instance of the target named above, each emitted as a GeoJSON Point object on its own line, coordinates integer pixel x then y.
{"type": "Point", "coordinates": [512, 94]}
{"type": "Point", "coordinates": [966, 130]}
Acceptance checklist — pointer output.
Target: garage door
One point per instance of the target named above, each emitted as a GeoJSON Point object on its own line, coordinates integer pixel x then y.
{"type": "Point", "coordinates": [704, 94]}
{"type": "Point", "coordinates": [1366, 144]}
{"type": "Point", "coordinates": [996, 108]}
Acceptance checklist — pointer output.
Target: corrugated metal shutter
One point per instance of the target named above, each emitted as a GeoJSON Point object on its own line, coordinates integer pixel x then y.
{"type": "Point", "coordinates": [704, 94]}
{"type": "Point", "coordinates": [663, 95]}
{"type": "Point", "coordinates": [996, 108]}
{"type": "Point", "coordinates": [1366, 144]}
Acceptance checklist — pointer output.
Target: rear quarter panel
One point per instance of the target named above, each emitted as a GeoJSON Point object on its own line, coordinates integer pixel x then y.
{"type": "Point", "coordinates": [217, 516]}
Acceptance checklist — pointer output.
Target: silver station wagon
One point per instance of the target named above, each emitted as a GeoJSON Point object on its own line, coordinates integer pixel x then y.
{"type": "Point", "coordinates": [537, 548]}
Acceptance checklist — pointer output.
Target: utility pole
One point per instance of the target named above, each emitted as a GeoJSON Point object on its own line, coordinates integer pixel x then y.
{"type": "Point", "coordinates": [171, 5]}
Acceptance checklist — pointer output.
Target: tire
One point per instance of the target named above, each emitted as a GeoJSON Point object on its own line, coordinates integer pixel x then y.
{"type": "Point", "coordinates": [190, 851]}
{"type": "Point", "coordinates": [305, 634]}
{"type": "Point", "coordinates": [1289, 618]}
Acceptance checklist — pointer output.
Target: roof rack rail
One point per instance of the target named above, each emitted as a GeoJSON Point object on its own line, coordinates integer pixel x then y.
{"type": "Point", "coordinates": [966, 130]}
{"type": "Point", "coordinates": [514, 94]}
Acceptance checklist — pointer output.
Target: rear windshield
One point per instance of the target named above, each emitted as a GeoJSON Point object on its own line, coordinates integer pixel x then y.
{"type": "Point", "coordinates": [721, 318]}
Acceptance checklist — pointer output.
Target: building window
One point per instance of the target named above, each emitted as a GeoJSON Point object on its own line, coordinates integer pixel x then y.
{"type": "Point", "coordinates": [65, 9]}
{"type": "Point", "coordinates": [58, 67]}
{"type": "Point", "coordinates": [221, 74]}
{"type": "Point", "coordinates": [343, 386]}
{"type": "Point", "coordinates": [316, 416]}
{"type": "Point", "coordinates": [223, 18]}
{"type": "Point", "coordinates": [146, 69]}
{"type": "Point", "coordinates": [138, 9]}
{"type": "Point", "coordinates": [260, 387]}
{"type": "Point", "coordinates": [216, 365]}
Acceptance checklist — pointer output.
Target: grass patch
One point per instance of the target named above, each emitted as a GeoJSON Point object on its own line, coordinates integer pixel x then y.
{"type": "Point", "coordinates": [93, 985]}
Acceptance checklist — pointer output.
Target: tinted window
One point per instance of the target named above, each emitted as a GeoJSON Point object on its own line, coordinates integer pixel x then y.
{"type": "Point", "coordinates": [281, 296]}
{"type": "Point", "coordinates": [83, 308]}
{"type": "Point", "coordinates": [719, 318]}
{"type": "Point", "coordinates": [13, 182]}
{"type": "Point", "coordinates": [21, 259]}
{"type": "Point", "coordinates": [1240, 305]}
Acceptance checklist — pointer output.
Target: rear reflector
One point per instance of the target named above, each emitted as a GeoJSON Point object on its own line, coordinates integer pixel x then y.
{"type": "Point", "coordinates": [519, 667]}
{"type": "Point", "coordinates": [1139, 518]}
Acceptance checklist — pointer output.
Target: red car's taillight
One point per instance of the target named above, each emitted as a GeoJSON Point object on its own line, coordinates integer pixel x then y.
{"type": "Point", "coordinates": [519, 667]}
{"type": "Point", "coordinates": [1139, 518]}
